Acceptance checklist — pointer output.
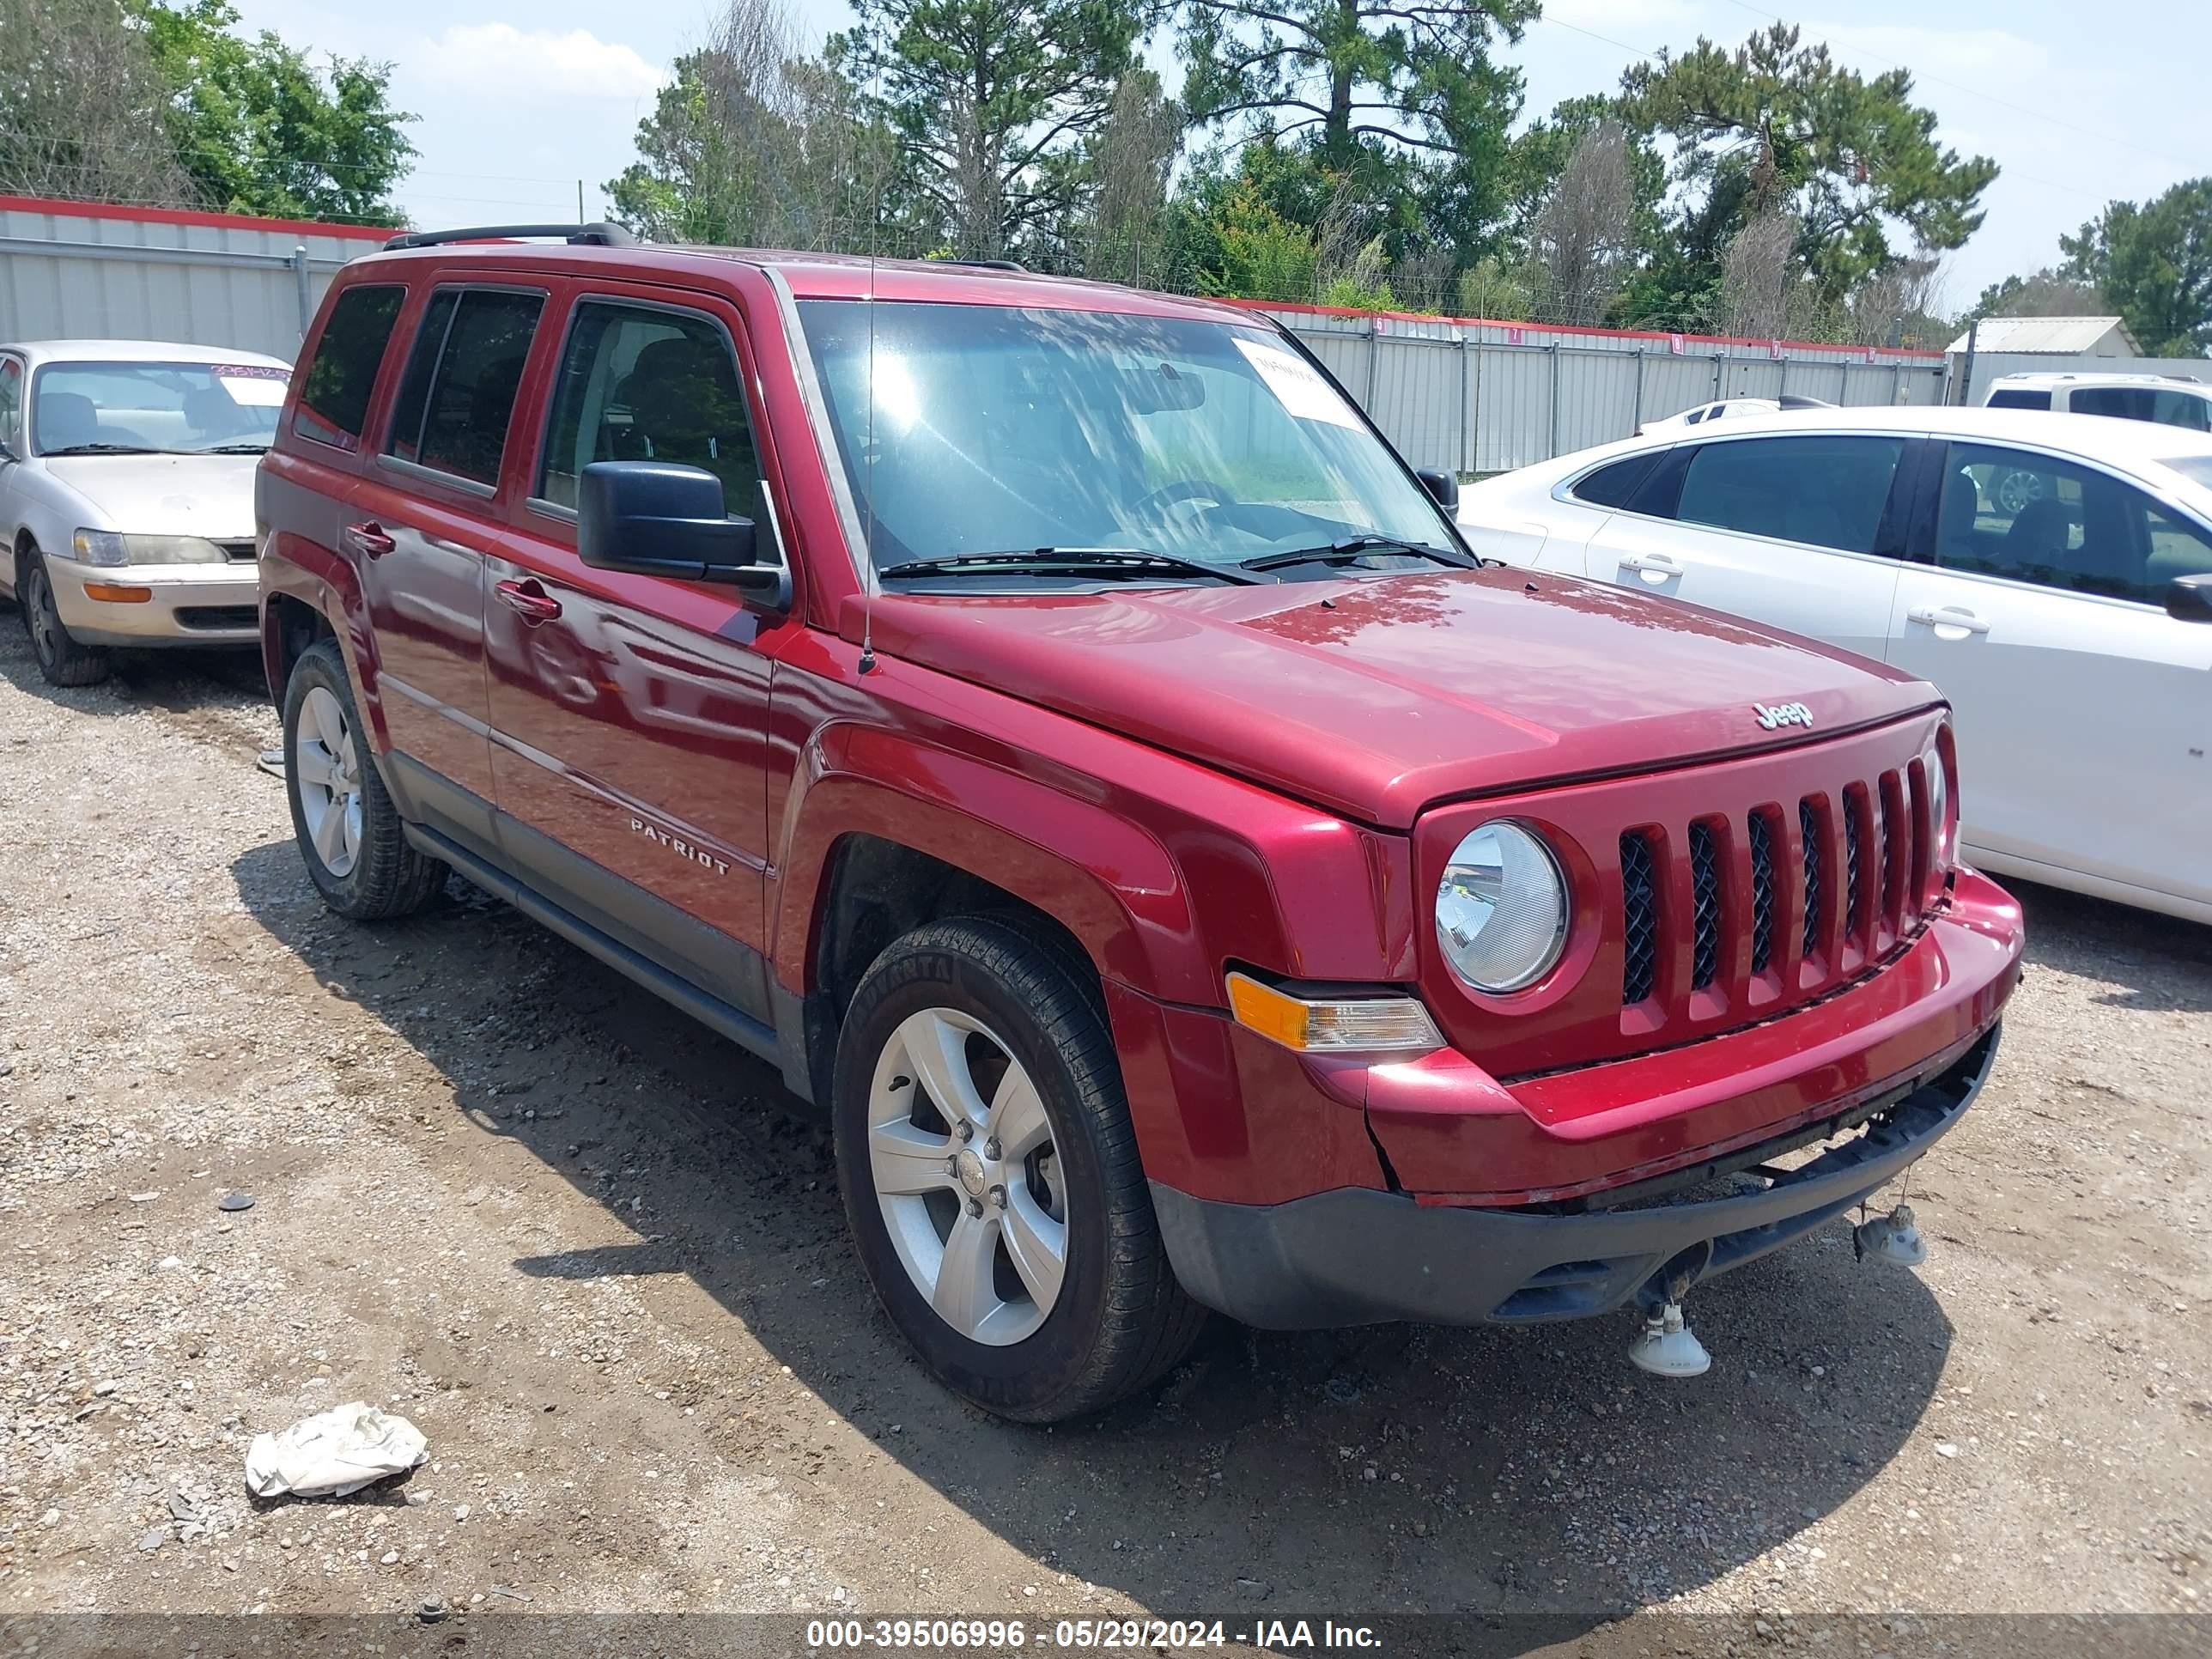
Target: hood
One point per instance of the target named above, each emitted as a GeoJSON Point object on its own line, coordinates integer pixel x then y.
{"type": "Point", "coordinates": [1375, 697]}
{"type": "Point", "coordinates": [210, 496]}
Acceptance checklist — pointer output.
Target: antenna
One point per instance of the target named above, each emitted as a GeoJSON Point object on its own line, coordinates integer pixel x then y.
{"type": "Point", "coordinates": [867, 662]}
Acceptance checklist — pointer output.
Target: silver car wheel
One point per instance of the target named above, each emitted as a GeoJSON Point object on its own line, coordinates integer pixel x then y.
{"type": "Point", "coordinates": [324, 769]}
{"type": "Point", "coordinates": [966, 1172]}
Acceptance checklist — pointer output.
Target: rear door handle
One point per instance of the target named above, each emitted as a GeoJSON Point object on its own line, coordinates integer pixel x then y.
{"type": "Point", "coordinates": [1652, 564]}
{"type": "Point", "coordinates": [535, 603]}
{"type": "Point", "coordinates": [1946, 616]}
{"type": "Point", "coordinates": [368, 538]}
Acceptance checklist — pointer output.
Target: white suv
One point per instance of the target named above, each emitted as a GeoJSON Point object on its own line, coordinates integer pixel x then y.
{"type": "Point", "coordinates": [2168, 399]}
{"type": "Point", "coordinates": [2051, 573]}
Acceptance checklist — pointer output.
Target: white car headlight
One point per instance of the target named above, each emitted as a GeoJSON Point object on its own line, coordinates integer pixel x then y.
{"type": "Point", "coordinates": [1502, 908]}
{"type": "Point", "coordinates": [1939, 805]}
{"type": "Point", "coordinates": [108, 547]}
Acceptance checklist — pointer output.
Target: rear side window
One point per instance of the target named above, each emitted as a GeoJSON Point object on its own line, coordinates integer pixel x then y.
{"type": "Point", "coordinates": [2127, 402]}
{"type": "Point", "coordinates": [1615, 485]}
{"type": "Point", "coordinates": [458, 398]}
{"type": "Point", "coordinates": [2022, 398]}
{"type": "Point", "coordinates": [334, 392]}
{"type": "Point", "coordinates": [640, 384]}
{"type": "Point", "coordinates": [1829, 492]}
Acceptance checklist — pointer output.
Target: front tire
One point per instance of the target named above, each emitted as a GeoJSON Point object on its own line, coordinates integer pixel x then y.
{"type": "Point", "coordinates": [991, 1175]}
{"type": "Point", "coordinates": [61, 659]}
{"type": "Point", "coordinates": [349, 831]}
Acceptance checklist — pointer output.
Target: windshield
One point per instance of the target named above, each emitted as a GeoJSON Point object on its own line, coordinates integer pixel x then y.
{"type": "Point", "coordinates": [999, 430]}
{"type": "Point", "coordinates": [169, 408]}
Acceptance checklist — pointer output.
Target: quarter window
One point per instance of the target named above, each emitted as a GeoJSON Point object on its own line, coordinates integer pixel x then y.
{"type": "Point", "coordinates": [458, 398]}
{"type": "Point", "coordinates": [1615, 485]}
{"type": "Point", "coordinates": [2034, 518]}
{"type": "Point", "coordinates": [335, 390]}
{"type": "Point", "coordinates": [1828, 492]}
{"type": "Point", "coordinates": [642, 384]}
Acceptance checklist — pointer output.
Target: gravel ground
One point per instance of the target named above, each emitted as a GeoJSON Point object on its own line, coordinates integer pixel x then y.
{"type": "Point", "coordinates": [596, 1255]}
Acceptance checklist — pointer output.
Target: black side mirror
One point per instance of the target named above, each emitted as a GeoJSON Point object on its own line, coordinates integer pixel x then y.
{"type": "Point", "coordinates": [1441, 485]}
{"type": "Point", "coordinates": [2188, 599]}
{"type": "Point", "coordinates": [653, 519]}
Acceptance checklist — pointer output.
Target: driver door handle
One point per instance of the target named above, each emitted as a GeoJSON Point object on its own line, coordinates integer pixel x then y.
{"type": "Point", "coordinates": [368, 538]}
{"type": "Point", "coordinates": [1659, 564]}
{"type": "Point", "coordinates": [535, 603]}
{"type": "Point", "coordinates": [1946, 616]}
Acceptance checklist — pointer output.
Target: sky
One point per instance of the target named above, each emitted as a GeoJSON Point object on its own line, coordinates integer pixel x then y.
{"type": "Point", "coordinates": [2078, 104]}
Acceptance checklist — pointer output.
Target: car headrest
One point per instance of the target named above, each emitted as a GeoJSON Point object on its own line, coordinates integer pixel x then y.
{"type": "Point", "coordinates": [66, 419]}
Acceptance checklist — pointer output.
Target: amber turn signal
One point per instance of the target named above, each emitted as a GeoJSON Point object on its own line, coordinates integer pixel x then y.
{"type": "Point", "coordinates": [115, 595]}
{"type": "Point", "coordinates": [1332, 1025]}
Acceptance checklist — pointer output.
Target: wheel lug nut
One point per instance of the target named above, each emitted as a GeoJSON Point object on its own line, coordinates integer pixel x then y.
{"type": "Point", "coordinates": [966, 1131]}
{"type": "Point", "coordinates": [974, 1206]}
{"type": "Point", "coordinates": [991, 1147]}
{"type": "Point", "coordinates": [999, 1196]}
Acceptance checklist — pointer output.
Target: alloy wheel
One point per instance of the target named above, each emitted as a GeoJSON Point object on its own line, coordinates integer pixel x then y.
{"type": "Point", "coordinates": [325, 770]}
{"type": "Point", "coordinates": [963, 1164]}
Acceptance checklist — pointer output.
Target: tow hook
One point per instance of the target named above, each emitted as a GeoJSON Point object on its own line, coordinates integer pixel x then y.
{"type": "Point", "coordinates": [1890, 1238]}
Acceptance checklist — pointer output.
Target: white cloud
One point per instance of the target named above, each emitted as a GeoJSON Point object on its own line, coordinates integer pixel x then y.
{"type": "Point", "coordinates": [498, 60]}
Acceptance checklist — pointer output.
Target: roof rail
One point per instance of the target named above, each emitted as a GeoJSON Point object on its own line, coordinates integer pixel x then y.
{"type": "Point", "coordinates": [601, 234]}
{"type": "Point", "coordinates": [986, 264]}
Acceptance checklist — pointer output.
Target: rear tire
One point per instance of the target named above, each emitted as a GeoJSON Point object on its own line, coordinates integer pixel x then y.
{"type": "Point", "coordinates": [349, 834]}
{"type": "Point", "coordinates": [61, 659]}
{"type": "Point", "coordinates": [1050, 1158]}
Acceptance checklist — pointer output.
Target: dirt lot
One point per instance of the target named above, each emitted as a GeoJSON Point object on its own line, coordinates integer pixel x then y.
{"type": "Point", "coordinates": [596, 1255]}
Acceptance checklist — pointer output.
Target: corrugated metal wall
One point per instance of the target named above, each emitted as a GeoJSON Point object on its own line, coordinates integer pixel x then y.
{"type": "Point", "coordinates": [205, 279]}
{"type": "Point", "coordinates": [1481, 399]}
{"type": "Point", "coordinates": [1988, 365]}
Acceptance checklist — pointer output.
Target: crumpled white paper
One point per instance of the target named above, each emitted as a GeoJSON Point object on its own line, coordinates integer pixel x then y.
{"type": "Point", "coordinates": [333, 1453]}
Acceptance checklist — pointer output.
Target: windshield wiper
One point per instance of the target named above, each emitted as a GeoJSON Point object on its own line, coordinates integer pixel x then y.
{"type": "Point", "coordinates": [101, 449]}
{"type": "Point", "coordinates": [1352, 548]}
{"type": "Point", "coordinates": [227, 449]}
{"type": "Point", "coordinates": [1108, 561]}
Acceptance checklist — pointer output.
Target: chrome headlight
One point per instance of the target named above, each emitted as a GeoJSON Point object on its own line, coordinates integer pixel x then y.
{"type": "Point", "coordinates": [1939, 805]}
{"type": "Point", "coordinates": [1502, 908]}
{"type": "Point", "coordinates": [108, 547]}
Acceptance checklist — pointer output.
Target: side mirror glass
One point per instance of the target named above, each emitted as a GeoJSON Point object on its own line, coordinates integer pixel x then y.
{"type": "Point", "coordinates": [654, 518]}
{"type": "Point", "coordinates": [1444, 486]}
{"type": "Point", "coordinates": [2188, 599]}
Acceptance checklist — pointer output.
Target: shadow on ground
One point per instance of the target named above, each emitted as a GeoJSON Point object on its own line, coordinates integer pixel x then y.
{"type": "Point", "coordinates": [1396, 1468]}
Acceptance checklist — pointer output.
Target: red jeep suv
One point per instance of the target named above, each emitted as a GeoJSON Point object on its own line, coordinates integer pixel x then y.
{"type": "Point", "coordinates": [1050, 723]}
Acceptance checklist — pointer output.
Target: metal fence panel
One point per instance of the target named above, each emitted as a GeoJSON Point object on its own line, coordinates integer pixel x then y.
{"type": "Point", "coordinates": [1486, 398]}
{"type": "Point", "coordinates": [100, 273]}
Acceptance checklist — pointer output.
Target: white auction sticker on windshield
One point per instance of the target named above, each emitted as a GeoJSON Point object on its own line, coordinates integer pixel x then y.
{"type": "Point", "coordinates": [251, 386]}
{"type": "Point", "coordinates": [1296, 386]}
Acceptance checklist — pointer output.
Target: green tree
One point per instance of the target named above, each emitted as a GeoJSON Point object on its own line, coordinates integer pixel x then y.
{"type": "Point", "coordinates": [992, 105]}
{"type": "Point", "coordinates": [1777, 126]}
{"type": "Point", "coordinates": [752, 142]}
{"type": "Point", "coordinates": [258, 129]}
{"type": "Point", "coordinates": [2155, 263]}
{"type": "Point", "coordinates": [1402, 103]}
{"type": "Point", "coordinates": [2044, 294]}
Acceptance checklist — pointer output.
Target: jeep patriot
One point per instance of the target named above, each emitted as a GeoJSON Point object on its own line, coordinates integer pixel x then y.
{"type": "Point", "coordinates": [1048, 723]}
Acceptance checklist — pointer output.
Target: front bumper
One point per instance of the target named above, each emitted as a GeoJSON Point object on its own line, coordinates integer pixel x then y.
{"type": "Point", "coordinates": [1355, 1256]}
{"type": "Point", "coordinates": [184, 604]}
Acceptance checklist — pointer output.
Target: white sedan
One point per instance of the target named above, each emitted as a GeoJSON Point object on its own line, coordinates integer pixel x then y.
{"type": "Point", "coordinates": [126, 495]}
{"type": "Point", "coordinates": [2052, 574]}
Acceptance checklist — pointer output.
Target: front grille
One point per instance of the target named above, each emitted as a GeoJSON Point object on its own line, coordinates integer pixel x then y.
{"type": "Point", "coordinates": [1853, 804]}
{"type": "Point", "coordinates": [1785, 910]}
{"type": "Point", "coordinates": [1639, 908]}
{"type": "Point", "coordinates": [1705, 907]}
{"type": "Point", "coordinates": [1762, 893]}
{"type": "Point", "coordinates": [1808, 828]}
